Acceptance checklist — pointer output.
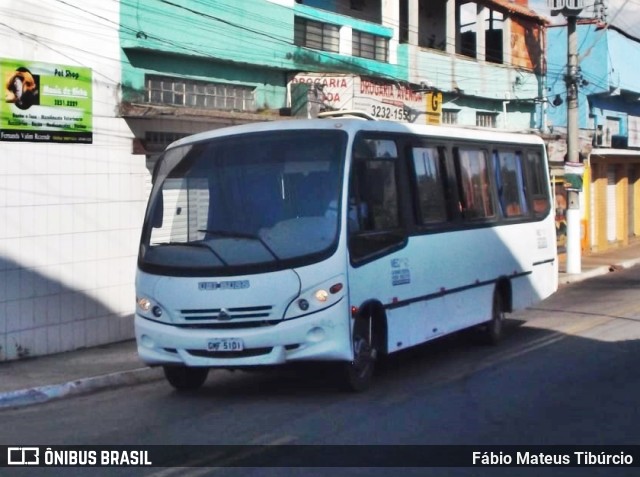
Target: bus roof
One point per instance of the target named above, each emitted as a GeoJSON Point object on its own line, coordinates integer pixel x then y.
{"type": "Point", "coordinates": [354, 125]}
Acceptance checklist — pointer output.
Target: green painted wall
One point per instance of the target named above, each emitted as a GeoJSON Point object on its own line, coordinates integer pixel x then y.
{"type": "Point", "coordinates": [230, 41]}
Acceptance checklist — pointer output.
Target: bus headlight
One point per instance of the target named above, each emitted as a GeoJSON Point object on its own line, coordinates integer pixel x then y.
{"type": "Point", "coordinates": [321, 295]}
{"type": "Point", "coordinates": [147, 307]}
{"type": "Point", "coordinates": [144, 304]}
{"type": "Point", "coordinates": [317, 297]}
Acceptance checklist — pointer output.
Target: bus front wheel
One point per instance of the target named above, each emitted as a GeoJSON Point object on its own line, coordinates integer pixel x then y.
{"type": "Point", "coordinates": [357, 374]}
{"type": "Point", "coordinates": [184, 378]}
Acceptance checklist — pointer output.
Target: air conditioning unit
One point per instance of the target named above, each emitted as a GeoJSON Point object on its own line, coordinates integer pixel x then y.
{"type": "Point", "coordinates": [619, 142]}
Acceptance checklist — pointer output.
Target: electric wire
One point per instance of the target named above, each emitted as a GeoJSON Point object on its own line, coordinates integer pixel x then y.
{"type": "Point", "coordinates": [192, 47]}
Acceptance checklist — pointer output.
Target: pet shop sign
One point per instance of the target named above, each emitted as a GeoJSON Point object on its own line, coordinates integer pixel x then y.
{"type": "Point", "coordinates": [45, 102]}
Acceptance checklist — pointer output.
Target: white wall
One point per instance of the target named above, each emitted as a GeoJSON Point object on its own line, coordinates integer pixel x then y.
{"type": "Point", "coordinates": [70, 214]}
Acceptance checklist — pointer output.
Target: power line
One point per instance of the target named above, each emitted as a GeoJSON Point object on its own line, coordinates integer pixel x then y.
{"type": "Point", "coordinates": [588, 52]}
{"type": "Point", "coordinates": [281, 40]}
{"type": "Point", "coordinates": [192, 48]}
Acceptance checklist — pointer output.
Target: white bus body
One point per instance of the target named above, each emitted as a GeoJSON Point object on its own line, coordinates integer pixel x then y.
{"type": "Point", "coordinates": [337, 240]}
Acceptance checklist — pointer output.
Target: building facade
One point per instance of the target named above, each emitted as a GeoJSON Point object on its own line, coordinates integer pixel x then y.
{"type": "Point", "coordinates": [609, 130]}
{"type": "Point", "coordinates": [487, 58]}
{"type": "Point", "coordinates": [484, 59]}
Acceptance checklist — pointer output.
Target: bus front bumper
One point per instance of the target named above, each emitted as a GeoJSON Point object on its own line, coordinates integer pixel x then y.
{"type": "Point", "coordinates": [323, 336]}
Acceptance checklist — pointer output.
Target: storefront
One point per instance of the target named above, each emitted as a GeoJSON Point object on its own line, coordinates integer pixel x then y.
{"type": "Point", "coordinates": [613, 198]}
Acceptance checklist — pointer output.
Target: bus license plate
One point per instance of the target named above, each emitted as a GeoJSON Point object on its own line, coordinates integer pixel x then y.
{"type": "Point", "coordinates": [225, 344]}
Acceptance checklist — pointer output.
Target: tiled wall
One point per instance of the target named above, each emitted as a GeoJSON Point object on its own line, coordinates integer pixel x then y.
{"type": "Point", "coordinates": [70, 214]}
{"type": "Point", "coordinates": [70, 220]}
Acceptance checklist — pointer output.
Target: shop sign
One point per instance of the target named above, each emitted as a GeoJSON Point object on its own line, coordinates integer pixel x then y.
{"type": "Point", "coordinates": [381, 99]}
{"type": "Point", "coordinates": [45, 102]}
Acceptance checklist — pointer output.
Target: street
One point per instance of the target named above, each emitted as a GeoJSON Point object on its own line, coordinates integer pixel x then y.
{"type": "Point", "coordinates": [566, 373]}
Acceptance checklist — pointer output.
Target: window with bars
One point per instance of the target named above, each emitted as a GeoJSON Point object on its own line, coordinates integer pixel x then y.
{"type": "Point", "coordinates": [449, 116]}
{"type": "Point", "coordinates": [157, 141]}
{"type": "Point", "coordinates": [316, 35]}
{"type": "Point", "coordinates": [366, 45]}
{"type": "Point", "coordinates": [199, 94]}
{"type": "Point", "coordinates": [486, 120]}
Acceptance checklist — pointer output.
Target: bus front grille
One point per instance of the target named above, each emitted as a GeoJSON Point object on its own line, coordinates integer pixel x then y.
{"type": "Point", "coordinates": [254, 314]}
{"type": "Point", "coordinates": [229, 325]}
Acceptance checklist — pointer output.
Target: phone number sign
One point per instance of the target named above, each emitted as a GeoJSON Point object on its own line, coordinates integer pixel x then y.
{"type": "Point", "coordinates": [381, 99]}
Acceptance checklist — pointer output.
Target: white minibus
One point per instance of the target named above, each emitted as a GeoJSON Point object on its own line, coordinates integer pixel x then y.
{"type": "Point", "coordinates": [340, 240]}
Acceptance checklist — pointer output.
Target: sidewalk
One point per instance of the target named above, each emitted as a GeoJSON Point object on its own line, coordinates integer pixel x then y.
{"type": "Point", "coordinates": [601, 263]}
{"type": "Point", "coordinates": [41, 379]}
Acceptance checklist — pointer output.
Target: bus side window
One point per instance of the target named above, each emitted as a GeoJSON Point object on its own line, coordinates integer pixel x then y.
{"type": "Point", "coordinates": [373, 206]}
{"type": "Point", "coordinates": [538, 185]}
{"type": "Point", "coordinates": [510, 183]}
{"type": "Point", "coordinates": [430, 179]}
{"type": "Point", "coordinates": [474, 185]}
{"type": "Point", "coordinates": [375, 197]}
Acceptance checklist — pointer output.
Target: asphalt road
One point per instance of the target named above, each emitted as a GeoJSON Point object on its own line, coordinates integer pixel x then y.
{"type": "Point", "coordinates": [567, 373]}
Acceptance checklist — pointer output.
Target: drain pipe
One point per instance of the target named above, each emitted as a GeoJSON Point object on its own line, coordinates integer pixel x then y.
{"type": "Point", "coordinates": [504, 111]}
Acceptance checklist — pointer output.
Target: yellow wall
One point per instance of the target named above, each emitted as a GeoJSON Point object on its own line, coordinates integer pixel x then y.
{"type": "Point", "coordinates": [596, 177]}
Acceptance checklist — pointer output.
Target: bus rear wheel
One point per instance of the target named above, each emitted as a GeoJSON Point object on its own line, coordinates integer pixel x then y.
{"type": "Point", "coordinates": [494, 327]}
{"type": "Point", "coordinates": [184, 378]}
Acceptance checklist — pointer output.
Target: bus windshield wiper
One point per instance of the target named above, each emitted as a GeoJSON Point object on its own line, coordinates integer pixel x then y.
{"type": "Point", "coordinates": [197, 245]}
{"type": "Point", "coordinates": [241, 235]}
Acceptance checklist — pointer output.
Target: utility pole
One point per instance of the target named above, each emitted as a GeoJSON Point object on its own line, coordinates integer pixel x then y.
{"type": "Point", "coordinates": [570, 9]}
{"type": "Point", "coordinates": [574, 252]}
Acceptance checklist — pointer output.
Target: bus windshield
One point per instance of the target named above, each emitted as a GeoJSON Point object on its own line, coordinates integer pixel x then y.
{"type": "Point", "coordinates": [234, 204]}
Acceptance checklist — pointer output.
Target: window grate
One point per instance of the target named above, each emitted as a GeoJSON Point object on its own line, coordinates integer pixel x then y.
{"type": "Point", "coordinates": [199, 94]}
{"type": "Point", "coordinates": [373, 47]}
{"type": "Point", "coordinates": [157, 141]}
{"type": "Point", "coordinates": [316, 35]}
{"type": "Point", "coordinates": [486, 120]}
{"type": "Point", "coordinates": [449, 117]}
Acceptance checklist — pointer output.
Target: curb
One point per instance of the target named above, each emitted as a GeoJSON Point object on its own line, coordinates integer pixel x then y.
{"type": "Point", "coordinates": [38, 395]}
{"type": "Point", "coordinates": [566, 279]}
{"type": "Point", "coordinates": [630, 263]}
